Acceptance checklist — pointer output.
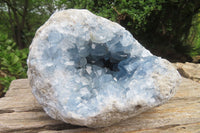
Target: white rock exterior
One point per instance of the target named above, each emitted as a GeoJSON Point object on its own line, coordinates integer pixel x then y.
{"type": "Point", "coordinates": [87, 70]}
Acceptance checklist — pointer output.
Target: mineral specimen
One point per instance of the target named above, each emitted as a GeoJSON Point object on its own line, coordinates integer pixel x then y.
{"type": "Point", "coordinates": [87, 70]}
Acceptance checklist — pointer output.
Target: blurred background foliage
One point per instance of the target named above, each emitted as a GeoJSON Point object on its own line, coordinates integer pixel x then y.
{"type": "Point", "coordinates": [168, 28]}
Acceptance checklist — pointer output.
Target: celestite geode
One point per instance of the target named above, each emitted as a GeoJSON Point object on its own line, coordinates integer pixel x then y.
{"type": "Point", "coordinates": [87, 70]}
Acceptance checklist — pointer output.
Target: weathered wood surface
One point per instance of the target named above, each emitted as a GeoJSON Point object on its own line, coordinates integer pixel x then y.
{"type": "Point", "coordinates": [20, 113]}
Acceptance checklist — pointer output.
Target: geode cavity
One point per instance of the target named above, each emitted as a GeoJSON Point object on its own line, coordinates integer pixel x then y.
{"type": "Point", "coordinates": [87, 70]}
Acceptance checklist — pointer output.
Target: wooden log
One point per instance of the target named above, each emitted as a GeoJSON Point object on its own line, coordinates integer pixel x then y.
{"type": "Point", "coordinates": [20, 113]}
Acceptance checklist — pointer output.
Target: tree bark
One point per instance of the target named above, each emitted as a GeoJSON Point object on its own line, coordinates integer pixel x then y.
{"type": "Point", "coordinates": [17, 23]}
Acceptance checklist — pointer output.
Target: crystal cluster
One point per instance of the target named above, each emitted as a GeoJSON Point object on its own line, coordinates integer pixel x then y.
{"type": "Point", "coordinates": [87, 70]}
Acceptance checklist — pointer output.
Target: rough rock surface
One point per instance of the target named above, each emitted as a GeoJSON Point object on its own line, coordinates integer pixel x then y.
{"type": "Point", "coordinates": [189, 70]}
{"type": "Point", "coordinates": [87, 70]}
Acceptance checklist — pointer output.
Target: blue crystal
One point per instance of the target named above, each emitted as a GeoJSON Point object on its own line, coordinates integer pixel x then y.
{"type": "Point", "coordinates": [84, 69]}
